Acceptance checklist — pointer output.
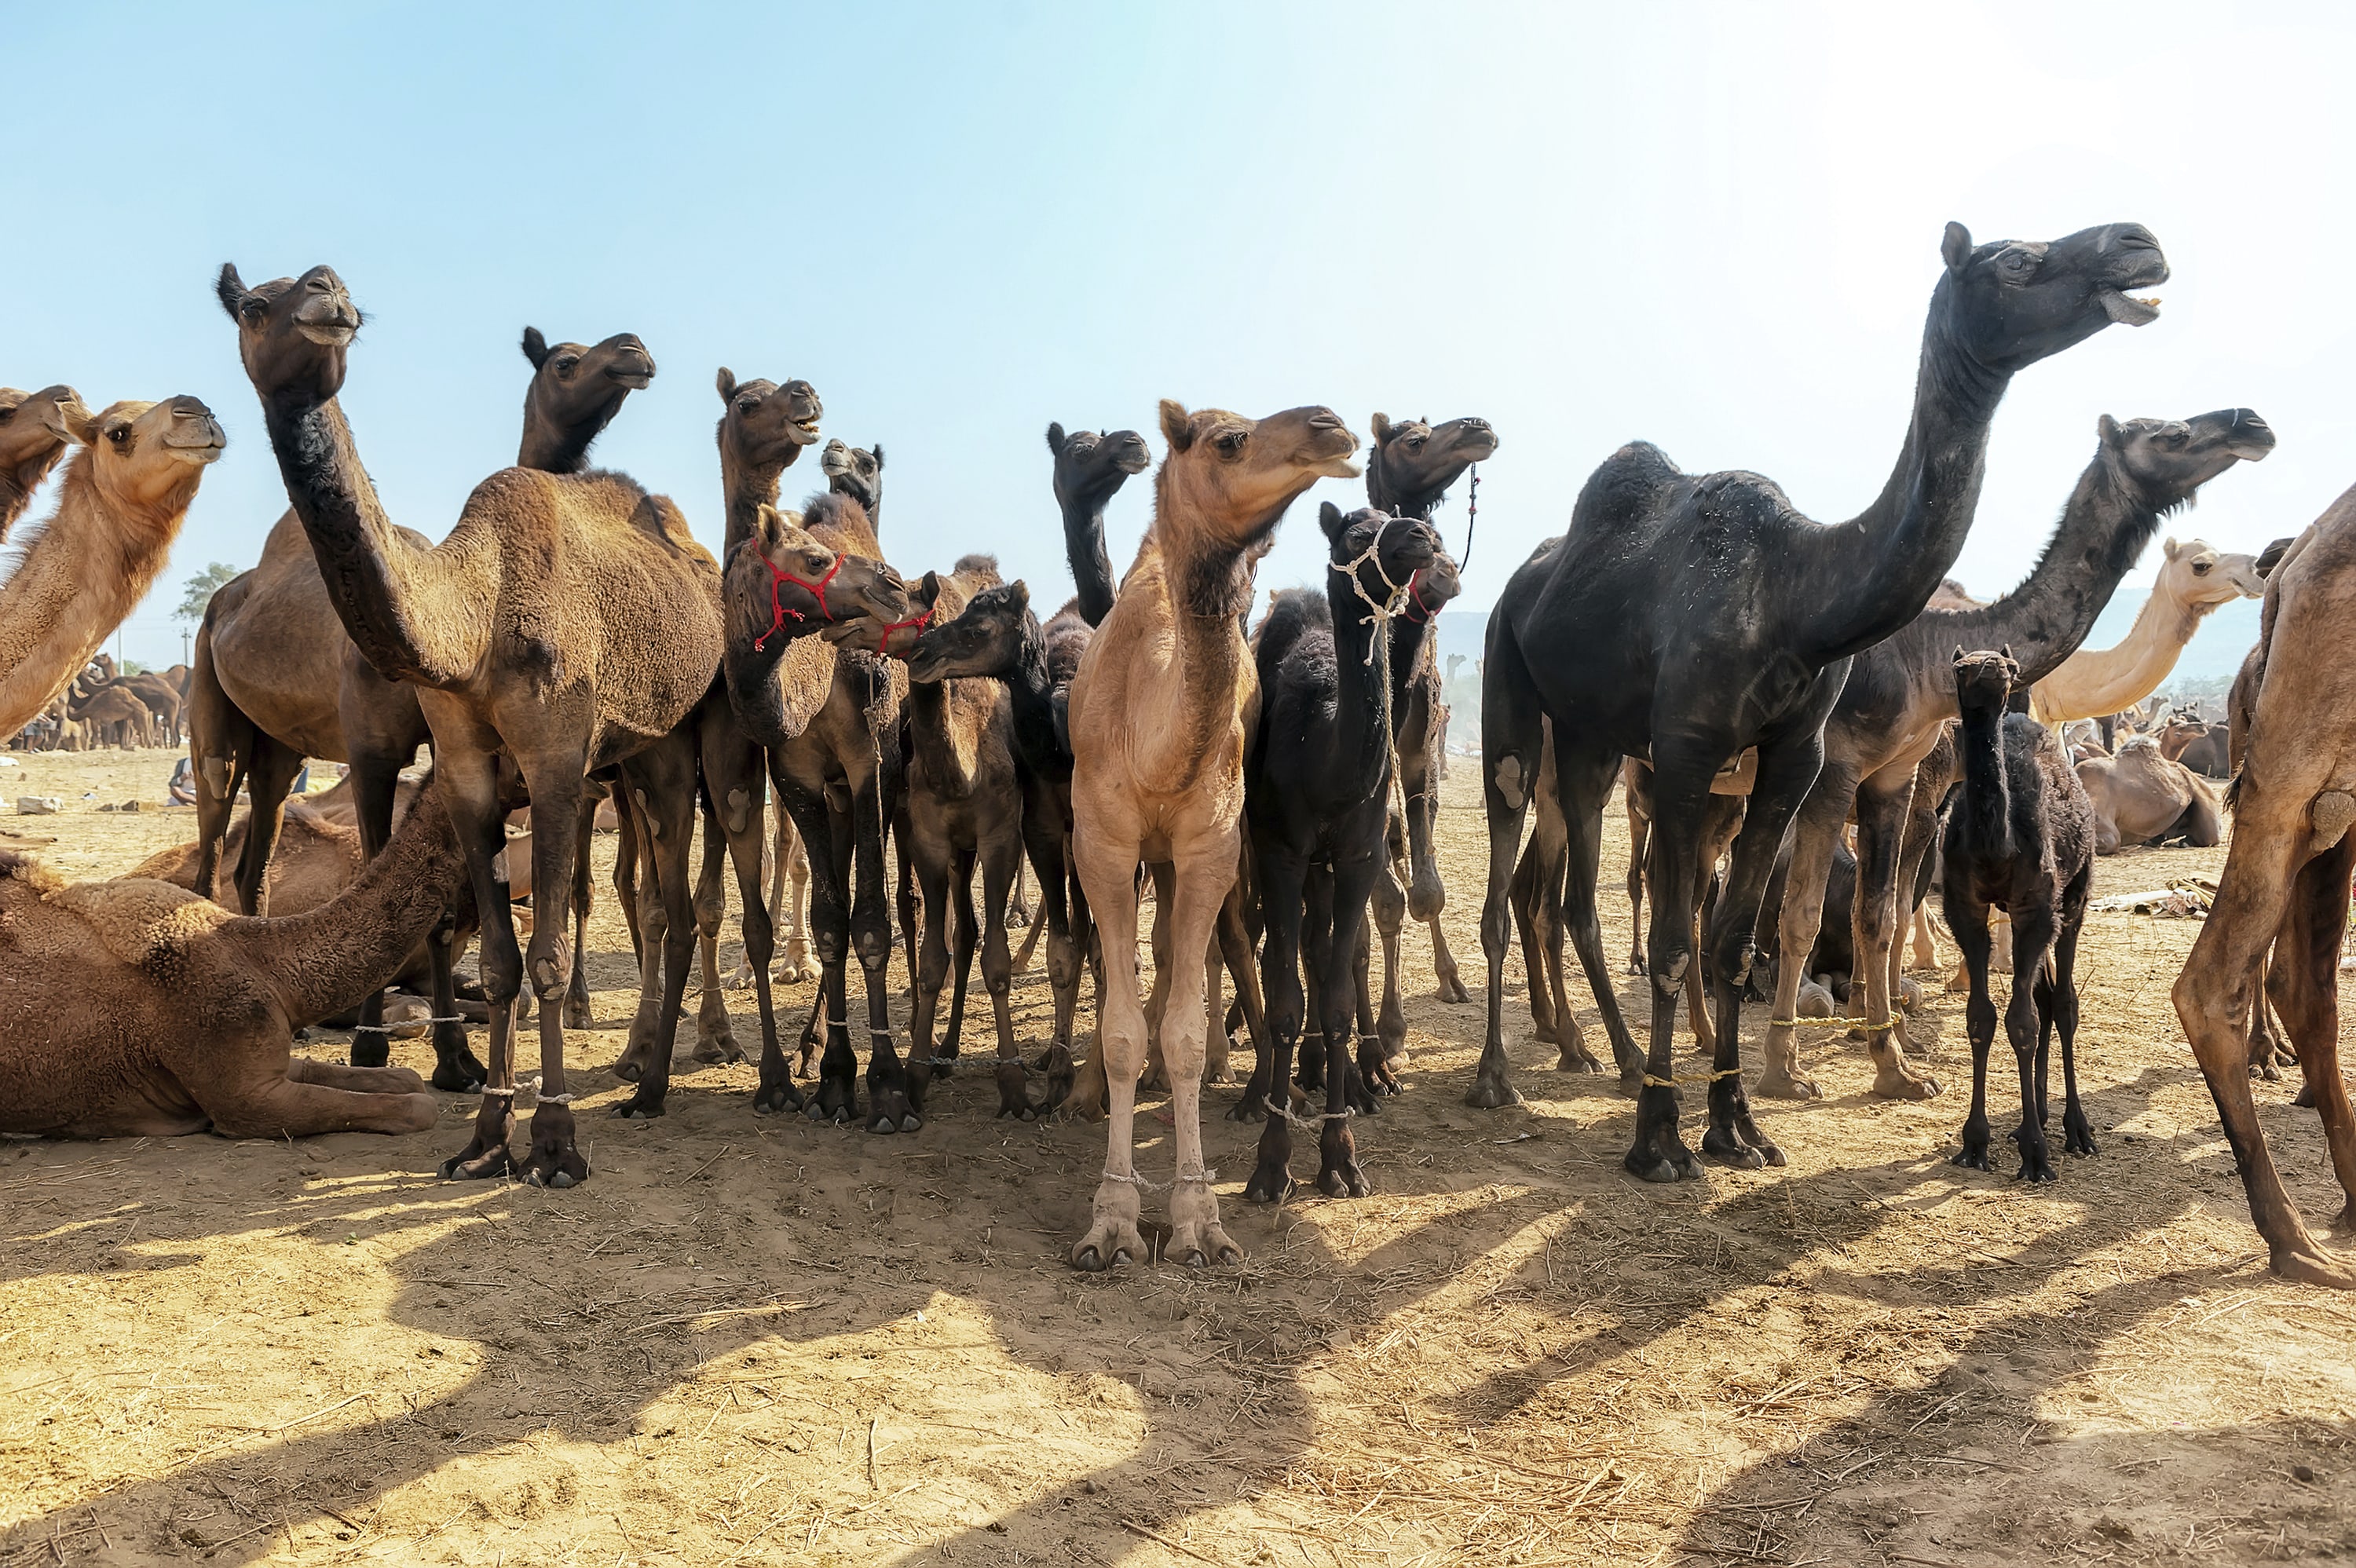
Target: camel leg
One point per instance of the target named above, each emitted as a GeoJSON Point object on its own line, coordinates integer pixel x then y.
{"type": "Point", "coordinates": [1528, 901]}
{"type": "Point", "coordinates": [1002, 859]}
{"type": "Point", "coordinates": [221, 744]}
{"type": "Point", "coordinates": [1511, 738]}
{"type": "Point", "coordinates": [640, 1048]}
{"type": "Point", "coordinates": [469, 779]}
{"type": "Point", "coordinates": [359, 1079]}
{"type": "Point", "coordinates": [268, 778]}
{"type": "Point", "coordinates": [376, 784]}
{"type": "Point", "coordinates": [1043, 842]}
{"type": "Point", "coordinates": [2058, 1010]}
{"type": "Point", "coordinates": [1389, 907]}
{"type": "Point", "coordinates": [1338, 1174]}
{"type": "Point", "coordinates": [967, 938]}
{"type": "Point", "coordinates": [292, 1104]}
{"type": "Point", "coordinates": [1426, 895]}
{"type": "Point", "coordinates": [1107, 866]}
{"type": "Point", "coordinates": [1235, 945]}
{"type": "Point", "coordinates": [835, 1098]}
{"type": "Point", "coordinates": [715, 1039]}
{"type": "Point", "coordinates": [626, 870]}
{"type": "Point", "coordinates": [2305, 982]}
{"type": "Point", "coordinates": [1639, 828]}
{"type": "Point", "coordinates": [895, 1098]}
{"type": "Point", "coordinates": [1157, 996]}
{"type": "Point", "coordinates": [1205, 870]}
{"type": "Point", "coordinates": [794, 874]}
{"type": "Point", "coordinates": [2032, 939]}
{"type": "Point", "coordinates": [661, 780]}
{"type": "Point", "coordinates": [1443, 961]}
{"type": "Point", "coordinates": [585, 841]}
{"type": "Point", "coordinates": [1881, 813]}
{"type": "Point", "coordinates": [1316, 924]}
{"type": "Point", "coordinates": [1017, 914]}
{"type": "Point", "coordinates": [1967, 919]}
{"type": "Point", "coordinates": [931, 861]}
{"type": "Point", "coordinates": [1551, 926]}
{"type": "Point", "coordinates": [1371, 1044]}
{"type": "Point", "coordinates": [1814, 832]}
{"type": "Point", "coordinates": [2214, 993]}
{"type": "Point", "coordinates": [737, 772]}
{"type": "Point", "coordinates": [1581, 791]}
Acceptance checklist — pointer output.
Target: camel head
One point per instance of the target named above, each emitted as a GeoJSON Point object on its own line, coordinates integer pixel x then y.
{"type": "Point", "coordinates": [1410, 465]}
{"type": "Point", "coordinates": [782, 579]}
{"type": "Point", "coordinates": [1433, 586]}
{"type": "Point", "coordinates": [2169, 460]}
{"type": "Point", "coordinates": [1387, 552]}
{"type": "Point", "coordinates": [986, 638]}
{"type": "Point", "coordinates": [1089, 468]}
{"type": "Point", "coordinates": [2010, 303]}
{"type": "Point", "coordinates": [1231, 478]}
{"type": "Point", "coordinates": [1984, 680]}
{"type": "Point", "coordinates": [576, 389]}
{"type": "Point", "coordinates": [2199, 577]}
{"type": "Point", "coordinates": [291, 333]}
{"type": "Point", "coordinates": [148, 457]}
{"type": "Point", "coordinates": [765, 425]}
{"type": "Point", "coordinates": [2271, 557]}
{"type": "Point", "coordinates": [855, 471]}
{"type": "Point", "coordinates": [33, 430]}
{"type": "Point", "coordinates": [934, 600]}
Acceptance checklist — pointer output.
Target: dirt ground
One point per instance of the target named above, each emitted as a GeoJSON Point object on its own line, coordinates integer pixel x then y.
{"type": "Point", "coordinates": [756, 1340]}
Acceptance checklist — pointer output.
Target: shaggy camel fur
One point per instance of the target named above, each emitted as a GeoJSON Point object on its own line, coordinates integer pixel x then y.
{"type": "Point", "coordinates": [134, 1009]}
{"type": "Point", "coordinates": [1643, 634]}
{"type": "Point", "coordinates": [2282, 901]}
{"type": "Point", "coordinates": [2142, 798]}
{"type": "Point", "coordinates": [2194, 578]}
{"type": "Point", "coordinates": [32, 438]}
{"type": "Point", "coordinates": [2019, 840]}
{"type": "Point", "coordinates": [120, 506]}
{"type": "Point", "coordinates": [277, 681]}
{"type": "Point", "coordinates": [569, 622]}
{"type": "Point", "coordinates": [1159, 712]}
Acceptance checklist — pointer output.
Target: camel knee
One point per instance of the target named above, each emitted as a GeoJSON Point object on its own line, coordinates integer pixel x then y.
{"type": "Point", "coordinates": [1427, 896]}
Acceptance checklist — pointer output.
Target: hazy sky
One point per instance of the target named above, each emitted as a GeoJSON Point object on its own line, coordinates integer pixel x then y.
{"type": "Point", "coordinates": [1716, 227]}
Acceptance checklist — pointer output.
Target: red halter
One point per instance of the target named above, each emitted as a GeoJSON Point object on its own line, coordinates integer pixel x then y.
{"type": "Point", "coordinates": [918, 623]}
{"type": "Point", "coordinates": [1415, 594]}
{"type": "Point", "coordinates": [779, 576]}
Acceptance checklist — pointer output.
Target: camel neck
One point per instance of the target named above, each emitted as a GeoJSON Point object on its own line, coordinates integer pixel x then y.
{"type": "Point", "coordinates": [1409, 639]}
{"type": "Point", "coordinates": [2094, 682]}
{"type": "Point", "coordinates": [1986, 806]}
{"type": "Point", "coordinates": [1873, 575]}
{"type": "Point", "coordinates": [1083, 548]}
{"type": "Point", "coordinates": [17, 485]}
{"type": "Point", "coordinates": [746, 487]}
{"type": "Point", "coordinates": [389, 589]}
{"type": "Point", "coordinates": [553, 450]}
{"type": "Point", "coordinates": [2104, 527]}
{"type": "Point", "coordinates": [1362, 656]}
{"type": "Point", "coordinates": [1385, 495]}
{"type": "Point", "coordinates": [947, 757]}
{"type": "Point", "coordinates": [1036, 744]}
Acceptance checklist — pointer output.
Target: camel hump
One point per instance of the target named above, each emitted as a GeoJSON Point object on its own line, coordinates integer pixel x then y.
{"type": "Point", "coordinates": [1625, 488]}
{"type": "Point", "coordinates": [146, 924]}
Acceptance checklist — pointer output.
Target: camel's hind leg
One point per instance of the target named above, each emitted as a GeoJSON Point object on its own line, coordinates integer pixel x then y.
{"type": "Point", "coordinates": [577, 1013]}
{"type": "Point", "coordinates": [1881, 818]}
{"type": "Point", "coordinates": [715, 1039]}
{"type": "Point", "coordinates": [661, 780]}
{"type": "Point", "coordinates": [302, 1103]}
{"type": "Point", "coordinates": [2304, 979]}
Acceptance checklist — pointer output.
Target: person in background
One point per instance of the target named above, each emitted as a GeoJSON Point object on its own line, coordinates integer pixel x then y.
{"type": "Point", "coordinates": [183, 785]}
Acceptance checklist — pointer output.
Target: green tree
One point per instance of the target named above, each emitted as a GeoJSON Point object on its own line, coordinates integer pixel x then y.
{"type": "Point", "coordinates": [201, 590]}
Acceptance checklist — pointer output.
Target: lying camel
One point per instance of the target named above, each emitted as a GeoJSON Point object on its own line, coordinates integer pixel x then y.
{"type": "Point", "coordinates": [134, 1009]}
{"type": "Point", "coordinates": [2201, 746]}
{"type": "Point", "coordinates": [2142, 798]}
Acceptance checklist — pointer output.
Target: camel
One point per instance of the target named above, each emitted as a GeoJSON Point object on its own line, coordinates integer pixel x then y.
{"type": "Point", "coordinates": [569, 622]}
{"type": "Point", "coordinates": [858, 472]}
{"type": "Point", "coordinates": [2282, 901]}
{"type": "Point", "coordinates": [1317, 795]}
{"type": "Point", "coordinates": [134, 1009]}
{"type": "Point", "coordinates": [2144, 797]}
{"type": "Point", "coordinates": [1901, 695]}
{"type": "Point", "coordinates": [1684, 619]}
{"type": "Point", "coordinates": [2203, 748]}
{"type": "Point", "coordinates": [114, 717]}
{"type": "Point", "coordinates": [2019, 839]}
{"type": "Point", "coordinates": [32, 438]}
{"type": "Point", "coordinates": [277, 679]}
{"type": "Point", "coordinates": [1158, 715]}
{"type": "Point", "coordinates": [2194, 578]}
{"type": "Point", "coordinates": [120, 505]}
{"type": "Point", "coordinates": [1410, 463]}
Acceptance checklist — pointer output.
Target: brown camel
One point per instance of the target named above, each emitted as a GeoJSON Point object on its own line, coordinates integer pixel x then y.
{"type": "Point", "coordinates": [1159, 711]}
{"type": "Point", "coordinates": [2283, 891]}
{"type": "Point", "coordinates": [858, 472]}
{"type": "Point", "coordinates": [2142, 798]}
{"type": "Point", "coordinates": [32, 438]}
{"type": "Point", "coordinates": [120, 506]}
{"type": "Point", "coordinates": [2206, 748]}
{"type": "Point", "coordinates": [569, 622]}
{"type": "Point", "coordinates": [134, 1009]}
{"type": "Point", "coordinates": [277, 679]}
{"type": "Point", "coordinates": [114, 717]}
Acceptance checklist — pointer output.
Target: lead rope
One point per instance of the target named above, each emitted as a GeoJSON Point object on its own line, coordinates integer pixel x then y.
{"type": "Point", "coordinates": [1381, 614]}
{"type": "Point", "coordinates": [1471, 515]}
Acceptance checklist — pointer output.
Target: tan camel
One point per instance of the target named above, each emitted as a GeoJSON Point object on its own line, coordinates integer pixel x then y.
{"type": "Point", "coordinates": [569, 622]}
{"type": "Point", "coordinates": [2094, 682]}
{"type": "Point", "coordinates": [120, 506]}
{"type": "Point", "coordinates": [2144, 797]}
{"type": "Point", "coordinates": [1159, 711]}
{"type": "Point", "coordinates": [2283, 891]}
{"type": "Point", "coordinates": [114, 717]}
{"type": "Point", "coordinates": [32, 438]}
{"type": "Point", "coordinates": [134, 1009]}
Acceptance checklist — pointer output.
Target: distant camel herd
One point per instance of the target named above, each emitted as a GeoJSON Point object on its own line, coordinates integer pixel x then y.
{"type": "Point", "coordinates": [1805, 720]}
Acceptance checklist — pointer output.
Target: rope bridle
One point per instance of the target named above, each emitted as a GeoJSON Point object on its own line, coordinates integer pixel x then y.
{"type": "Point", "coordinates": [1471, 514]}
{"type": "Point", "coordinates": [914, 623]}
{"type": "Point", "coordinates": [778, 610]}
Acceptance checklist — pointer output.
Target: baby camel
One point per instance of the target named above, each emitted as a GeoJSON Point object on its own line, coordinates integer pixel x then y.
{"type": "Point", "coordinates": [2022, 840]}
{"type": "Point", "coordinates": [1159, 711]}
{"type": "Point", "coordinates": [134, 1008]}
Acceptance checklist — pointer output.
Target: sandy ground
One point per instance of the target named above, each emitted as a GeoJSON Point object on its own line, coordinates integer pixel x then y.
{"type": "Point", "coordinates": [754, 1341]}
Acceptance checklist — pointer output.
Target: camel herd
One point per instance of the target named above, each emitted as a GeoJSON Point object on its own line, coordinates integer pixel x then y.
{"type": "Point", "coordinates": [1805, 720]}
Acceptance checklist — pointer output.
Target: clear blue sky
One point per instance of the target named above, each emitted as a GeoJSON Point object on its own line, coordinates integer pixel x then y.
{"type": "Point", "coordinates": [1713, 227]}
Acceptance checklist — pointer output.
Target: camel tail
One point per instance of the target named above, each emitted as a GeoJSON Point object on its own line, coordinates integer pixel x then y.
{"type": "Point", "coordinates": [329, 958]}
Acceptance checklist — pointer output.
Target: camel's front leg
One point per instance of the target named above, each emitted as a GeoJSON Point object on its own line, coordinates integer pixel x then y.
{"type": "Point", "coordinates": [1109, 872]}
{"type": "Point", "coordinates": [1881, 814]}
{"type": "Point", "coordinates": [1205, 872]}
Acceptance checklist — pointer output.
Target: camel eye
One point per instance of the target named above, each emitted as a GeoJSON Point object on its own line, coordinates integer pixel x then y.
{"type": "Point", "coordinates": [2199, 568]}
{"type": "Point", "coordinates": [1232, 442]}
{"type": "Point", "coordinates": [2017, 263]}
{"type": "Point", "coordinates": [119, 435]}
{"type": "Point", "coordinates": [565, 366]}
{"type": "Point", "coordinates": [1414, 441]}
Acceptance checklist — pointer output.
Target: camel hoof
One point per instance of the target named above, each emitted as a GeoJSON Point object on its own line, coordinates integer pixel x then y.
{"type": "Point", "coordinates": [1108, 1242]}
{"type": "Point", "coordinates": [1729, 1149]}
{"type": "Point", "coordinates": [1660, 1171]}
{"type": "Point", "coordinates": [1972, 1158]}
{"type": "Point", "coordinates": [1632, 1084]}
{"type": "Point", "coordinates": [2036, 1171]}
{"type": "Point", "coordinates": [1577, 1060]}
{"type": "Point", "coordinates": [629, 1070]}
{"type": "Point", "coordinates": [1343, 1182]}
{"type": "Point", "coordinates": [884, 1125]}
{"type": "Point", "coordinates": [1775, 1084]}
{"type": "Point", "coordinates": [561, 1179]}
{"type": "Point", "coordinates": [1250, 1108]}
{"type": "Point", "coordinates": [577, 1014]}
{"type": "Point", "coordinates": [1898, 1083]}
{"type": "Point", "coordinates": [1201, 1246]}
{"type": "Point", "coordinates": [460, 1074]}
{"type": "Point", "coordinates": [717, 1050]}
{"type": "Point", "coordinates": [2307, 1264]}
{"type": "Point", "coordinates": [1492, 1091]}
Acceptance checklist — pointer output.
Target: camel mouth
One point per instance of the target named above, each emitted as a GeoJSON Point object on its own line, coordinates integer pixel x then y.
{"type": "Point", "coordinates": [803, 433]}
{"type": "Point", "coordinates": [199, 454]}
{"type": "Point", "coordinates": [328, 335]}
{"type": "Point", "coordinates": [1340, 468]}
{"type": "Point", "coordinates": [637, 380]}
{"type": "Point", "coordinates": [2128, 310]}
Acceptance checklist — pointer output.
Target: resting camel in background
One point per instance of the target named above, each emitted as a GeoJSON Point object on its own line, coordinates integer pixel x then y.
{"type": "Point", "coordinates": [1159, 708]}
{"type": "Point", "coordinates": [2282, 901]}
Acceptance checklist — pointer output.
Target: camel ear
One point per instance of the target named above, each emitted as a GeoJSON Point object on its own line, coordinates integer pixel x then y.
{"type": "Point", "coordinates": [2007, 653]}
{"type": "Point", "coordinates": [2172, 548]}
{"type": "Point", "coordinates": [1959, 652]}
{"type": "Point", "coordinates": [879, 457]}
{"type": "Point", "coordinates": [82, 425]}
{"type": "Point", "coordinates": [1055, 438]}
{"type": "Point", "coordinates": [1177, 425]}
{"type": "Point", "coordinates": [535, 346]}
{"type": "Point", "coordinates": [726, 382]}
{"type": "Point", "coordinates": [929, 592]}
{"type": "Point", "coordinates": [1955, 247]}
{"type": "Point", "coordinates": [2106, 430]}
{"type": "Point", "coordinates": [1019, 592]}
{"type": "Point", "coordinates": [1381, 425]}
{"type": "Point", "coordinates": [1330, 518]}
{"type": "Point", "coordinates": [229, 288]}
